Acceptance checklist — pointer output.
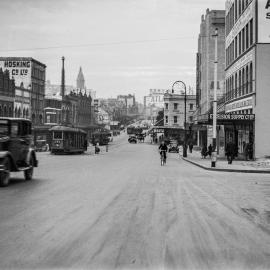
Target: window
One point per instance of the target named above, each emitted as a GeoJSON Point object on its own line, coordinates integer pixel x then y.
{"type": "Point", "coordinates": [14, 129]}
{"type": "Point", "coordinates": [251, 78]}
{"type": "Point", "coordinates": [166, 106]}
{"type": "Point", "coordinates": [166, 119]}
{"type": "Point", "coordinates": [57, 135]}
{"type": "Point", "coordinates": [240, 44]}
{"type": "Point", "coordinates": [243, 40]}
{"type": "Point", "coordinates": [175, 106]}
{"type": "Point", "coordinates": [251, 31]}
{"type": "Point", "coordinates": [247, 36]}
{"type": "Point", "coordinates": [247, 81]}
{"type": "Point", "coordinates": [191, 119]}
{"type": "Point", "coordinates": [175, 119]}
{"type": "Point", "coordinates": [191, 106]}
{"type": "Point", "coordinates": [235, 44]}
{"type": "Point", "coordinates": [235, 85]}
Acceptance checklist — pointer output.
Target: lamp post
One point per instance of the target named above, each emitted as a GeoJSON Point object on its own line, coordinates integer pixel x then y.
{"type": "Point", "coordinates": [214, 140]}
{"type": "Point", "coordinates": [185, 116]}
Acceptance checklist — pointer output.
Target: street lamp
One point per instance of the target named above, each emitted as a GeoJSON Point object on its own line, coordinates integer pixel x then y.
{"type": "Point", "coordinates": [185, 116]}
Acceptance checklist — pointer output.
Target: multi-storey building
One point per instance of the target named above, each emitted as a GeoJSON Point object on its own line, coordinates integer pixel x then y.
{"type": "Point", "coordinates": [247, 73]}
{"type": "Point", "coordinates": [31, 73]}
{"type": "Point", "coordinates": [7, 94]}
{"type": "Point", "coordinates": [212, 20]}
{"type": "Point", "coordinates": [174, 109]}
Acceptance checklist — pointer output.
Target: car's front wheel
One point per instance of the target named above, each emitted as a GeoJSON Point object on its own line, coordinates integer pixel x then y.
{"type": "Point", "coordinates": [5, 174]}
{"type": "Point", "coordinates": [28, 174]}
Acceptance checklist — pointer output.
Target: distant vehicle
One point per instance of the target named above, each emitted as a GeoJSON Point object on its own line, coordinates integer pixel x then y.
{"type": "Point", "coordinates": [101, 137]}
{"type": "Point", "coordinates": [41, 146]}
{"type": "Point", "coordinates": [134, 130]}
{"type": "Point", "coordinates": [68, 140]}
{"type": "Point", "coordinates": [132, 139]}
{"type": "Point", "coordinates": [110, 136]}
{"type": "Point", "coordinates": [173, 147]}
{"type": "Point", "coordinates": [16, 151]}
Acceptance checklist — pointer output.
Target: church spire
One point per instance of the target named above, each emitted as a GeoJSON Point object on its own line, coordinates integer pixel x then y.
{"type": "Point", "coordinates": [80, 80]}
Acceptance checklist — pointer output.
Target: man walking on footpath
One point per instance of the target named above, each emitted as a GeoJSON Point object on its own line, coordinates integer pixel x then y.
{"type": "Point", "coordinates": [230, 150]}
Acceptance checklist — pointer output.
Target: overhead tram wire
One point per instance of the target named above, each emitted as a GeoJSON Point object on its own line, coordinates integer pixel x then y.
{"type": "Point", "coordinates": [96, 44]}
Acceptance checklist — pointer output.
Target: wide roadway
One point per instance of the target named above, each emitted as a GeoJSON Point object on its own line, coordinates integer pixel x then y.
{"type": "Point", "coordinates": [121, 209]}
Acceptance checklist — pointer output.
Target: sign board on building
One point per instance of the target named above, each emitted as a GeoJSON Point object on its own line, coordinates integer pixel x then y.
{"type": "Point", "coordinates": [20, 70]}
{"type": "Point", "coordinates": [263, 21]}
{"type": "Point", "coordinates": [243, 104]}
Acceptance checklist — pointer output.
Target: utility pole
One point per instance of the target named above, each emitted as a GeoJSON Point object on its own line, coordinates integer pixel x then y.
{"type": "Point", "coordinates": [214, 141]}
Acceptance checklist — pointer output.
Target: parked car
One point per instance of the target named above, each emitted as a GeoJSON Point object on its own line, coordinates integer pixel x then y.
{"type": "Point", "coordinates": [41, 146]}
{"type": "Point", "coordinates": [173, 147]}
{"type": "Point", "coordinates": [132, 139]}
{"type": "Point", "coordinates": [16, 151]}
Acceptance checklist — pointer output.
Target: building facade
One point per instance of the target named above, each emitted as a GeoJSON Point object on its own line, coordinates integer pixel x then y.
{"type": "Point", "coordinates": [7, 94]}
{"type": "Point", "coordinates": [247, 73]}
{"type": "Point", "coordinates": [32, 74]}
{"type": "Point", "coordinates": [22, 104]}
{"type": "Point", "coordinates": [174, 109]}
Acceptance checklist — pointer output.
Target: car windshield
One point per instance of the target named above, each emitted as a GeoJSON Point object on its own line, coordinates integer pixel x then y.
{"type": "Point", "coordinates": [3, 129]}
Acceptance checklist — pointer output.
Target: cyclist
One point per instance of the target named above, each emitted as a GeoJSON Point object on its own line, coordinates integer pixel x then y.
{"type": "Point", "coordinates": [163, 149]}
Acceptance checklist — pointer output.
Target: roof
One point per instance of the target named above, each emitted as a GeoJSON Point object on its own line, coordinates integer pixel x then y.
{"type": "Point", "coordinates": [64, 128]}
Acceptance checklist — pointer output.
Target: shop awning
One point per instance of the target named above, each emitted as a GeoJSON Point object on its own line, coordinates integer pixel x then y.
{"type": "Point", "coordinates": [225, 118]}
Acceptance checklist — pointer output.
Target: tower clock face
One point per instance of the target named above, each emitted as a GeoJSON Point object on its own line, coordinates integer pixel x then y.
{"type": "Point", "coordinates": [178, 88]}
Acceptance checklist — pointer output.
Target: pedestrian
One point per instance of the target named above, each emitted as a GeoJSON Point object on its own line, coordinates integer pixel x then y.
{"type": "Point", "coordinates": [230, 151]}
{"type": "Point", "coordinates": [210, 150]}
{"type": "Point", "coordinates": [245, 150]}
{"type": "Point", "coordinates": [204, 151]}
{"type": "Point", "coordinates": [97, 149]}
{"type": "Point", "coordinates": [250, 151]}
{"type": "Point", "coordinates": [190, 147]}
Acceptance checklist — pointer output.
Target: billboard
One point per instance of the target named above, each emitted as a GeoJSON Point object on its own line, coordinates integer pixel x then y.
{"type": "Point", "coordinates": [20, 70]}
{"type": "Point", "coordinates": [263, 21]}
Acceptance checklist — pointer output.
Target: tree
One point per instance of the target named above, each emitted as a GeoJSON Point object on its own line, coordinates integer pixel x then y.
{"type": "Point", "coordinates": [160, 118]}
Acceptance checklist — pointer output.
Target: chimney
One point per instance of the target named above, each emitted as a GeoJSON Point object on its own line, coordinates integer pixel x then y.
{"type": "Point", "coordinates": [63, 78]}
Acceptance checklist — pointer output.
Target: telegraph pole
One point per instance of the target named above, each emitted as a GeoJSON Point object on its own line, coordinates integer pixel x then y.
{"type": "Point", "coordinates": [214, 141]}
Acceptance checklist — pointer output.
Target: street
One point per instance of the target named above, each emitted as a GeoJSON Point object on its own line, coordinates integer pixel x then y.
{"type": "Point", "coordinates": [121, 209]}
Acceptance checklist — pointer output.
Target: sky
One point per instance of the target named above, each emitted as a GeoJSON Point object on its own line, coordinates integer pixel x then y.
{"type": "Point", "coordinates": [123, 46]}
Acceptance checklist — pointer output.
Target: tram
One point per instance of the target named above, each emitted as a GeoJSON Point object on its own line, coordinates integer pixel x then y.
{"type": "Point", "coordinates": [68, 140]}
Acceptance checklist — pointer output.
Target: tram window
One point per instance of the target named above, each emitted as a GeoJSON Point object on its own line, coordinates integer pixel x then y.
{"type": "Point", "coordinates": [57, 135]}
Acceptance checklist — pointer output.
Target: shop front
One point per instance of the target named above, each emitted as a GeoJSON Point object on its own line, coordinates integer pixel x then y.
{"type": "Point", "coordinates": [238, 128]}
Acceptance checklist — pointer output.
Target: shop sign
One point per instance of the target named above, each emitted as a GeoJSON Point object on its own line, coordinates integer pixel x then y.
{"type": "Point", "coordinates": [20, 70]}
{"type": "Point", "coordinates": [263, 21]}
{"type": "Point", "coordinates": [233, 116]}
{"type": "Point", "coordinates": [240, 104]}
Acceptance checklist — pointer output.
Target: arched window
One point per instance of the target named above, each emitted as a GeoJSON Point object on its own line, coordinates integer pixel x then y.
{"type": "Point", "coordinates": [16, 112]}
{"type": "Point", "coordinates": [240, 83]}
{"type": "Point", "coordinates": [23, 112]}
{"type": "Point", "coordinates": [251, 78]}
{"type": "Point", "coordinates": [19, 113]}
{"type": "Point", "coordinates": [33, 118]}
{"type": "Point", "coordinates": [10, 114]}
{"type": "Point", "coordinates": [5, 111]}
{"type": "Point", "coordinates": [247, 81]}
{"type": "Point", "coordinates": [40, 119]}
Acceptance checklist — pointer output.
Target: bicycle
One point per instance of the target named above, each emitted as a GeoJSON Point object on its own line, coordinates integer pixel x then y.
{"type": "Point", "coordinates": [162, 157]}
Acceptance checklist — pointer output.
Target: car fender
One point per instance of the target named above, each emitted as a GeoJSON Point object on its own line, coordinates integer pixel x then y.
{"type": "Point", "coordinates": [3, 155]}
{"type": "Point", "coordinates": [32, 153]}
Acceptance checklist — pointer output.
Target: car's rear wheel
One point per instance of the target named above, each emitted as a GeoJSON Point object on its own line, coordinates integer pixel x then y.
{"type": "Point", "coordinates": [28, 174]}
{"type": "Point", "coordinates": [5, 174]}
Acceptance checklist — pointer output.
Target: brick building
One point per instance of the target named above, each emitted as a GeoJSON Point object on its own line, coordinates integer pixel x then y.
{"type": "Point", "coordinates": [7, 94]}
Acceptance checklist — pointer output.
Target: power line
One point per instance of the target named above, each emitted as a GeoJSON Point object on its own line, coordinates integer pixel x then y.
{"type": "Point", "coordinates": [95, 44]}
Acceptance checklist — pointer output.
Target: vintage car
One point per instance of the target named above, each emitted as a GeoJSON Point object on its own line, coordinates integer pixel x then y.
{"type": "Point", "coordinates": [41, 146]}
{"type": "Point", "coordinates": [132, 139]}
{"type": "Point", "coordinates": [173, 146]}
{"type": "Point", "coordinates": [16, 151]}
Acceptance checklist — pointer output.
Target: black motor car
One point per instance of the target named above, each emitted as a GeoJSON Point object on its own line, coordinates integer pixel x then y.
{"type": "Point", "coordinates": [16, 151]}
{"type": "Point", "coordinates": [132, 139]}
{"type": "Point", "coordinates": [173, 147]}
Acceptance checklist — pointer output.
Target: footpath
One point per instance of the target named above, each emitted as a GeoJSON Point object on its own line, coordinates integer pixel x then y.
{"type": "Point", "coordinates": [256, 166]}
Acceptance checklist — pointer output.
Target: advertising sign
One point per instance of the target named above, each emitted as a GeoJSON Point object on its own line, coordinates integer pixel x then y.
{"type": "Point", "coordinates": [20, 70]}
{"type": "Point", "coordinates": [263, 21]}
